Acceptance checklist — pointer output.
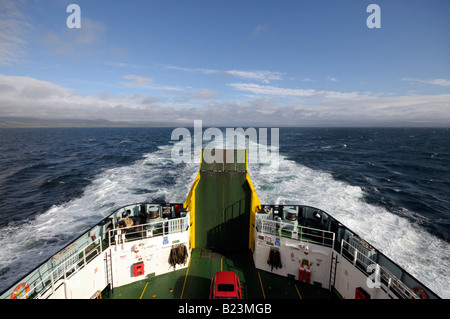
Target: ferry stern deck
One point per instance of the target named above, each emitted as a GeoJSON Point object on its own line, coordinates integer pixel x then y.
{"type": "Point", "coordinates": [194, 282]}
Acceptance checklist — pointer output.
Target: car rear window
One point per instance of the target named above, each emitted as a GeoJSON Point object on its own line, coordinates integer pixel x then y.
{"type": "Point", "coordinates": [225, 287]}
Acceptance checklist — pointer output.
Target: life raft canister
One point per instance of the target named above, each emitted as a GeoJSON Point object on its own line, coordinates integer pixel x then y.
{"type": "Point", "coordinates": [420, 292]}
{"type": "Point", "coordinates": [16, 292]}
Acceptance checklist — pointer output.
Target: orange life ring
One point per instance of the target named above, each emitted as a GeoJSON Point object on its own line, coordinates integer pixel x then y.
{"type": "Point", "coordinates": [419, 291]}
{"type": "Point", "coordinates": [16, 293]}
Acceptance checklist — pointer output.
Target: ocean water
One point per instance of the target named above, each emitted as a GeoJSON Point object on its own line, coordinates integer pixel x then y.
{"type": "Point", "coordinates": [389, 185]}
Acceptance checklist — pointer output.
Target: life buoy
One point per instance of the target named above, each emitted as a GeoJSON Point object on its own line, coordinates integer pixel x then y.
{"type": "Point", "coordinates": [420, 292]}
{"type": "Point", "coordinates": [16, 292]}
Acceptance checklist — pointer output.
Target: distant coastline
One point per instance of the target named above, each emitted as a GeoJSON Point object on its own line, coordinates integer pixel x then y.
{"type": "Point", "coordinates": [30, 122]}
{"type": "Point", "coordinates": [24, 122]}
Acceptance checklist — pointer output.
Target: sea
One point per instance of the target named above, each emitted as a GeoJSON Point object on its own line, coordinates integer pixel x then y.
{"type": "Point", "coordinates": [389, 185]}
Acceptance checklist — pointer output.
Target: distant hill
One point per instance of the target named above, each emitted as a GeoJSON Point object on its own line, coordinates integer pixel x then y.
{"type": "Point", "coordinates": [37, 122]}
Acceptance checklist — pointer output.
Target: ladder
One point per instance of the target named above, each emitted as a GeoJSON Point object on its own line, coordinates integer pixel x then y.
{"type": "Point", "coordinates": [108, 269]}
{"type": "Point", "coordinates": [334, 262]}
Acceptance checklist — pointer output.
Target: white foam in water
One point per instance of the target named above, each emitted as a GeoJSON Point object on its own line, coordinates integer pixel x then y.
{"type": "Point", "coordinates": [424, 256]}
{"type": "Point", "coordinates": [282, 181]}
{"type": "Point", "coordinates": [24, 246]}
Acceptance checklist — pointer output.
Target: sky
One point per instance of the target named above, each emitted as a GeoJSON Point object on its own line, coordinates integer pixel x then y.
{"type": "Point", "coordinates": [228, 63]}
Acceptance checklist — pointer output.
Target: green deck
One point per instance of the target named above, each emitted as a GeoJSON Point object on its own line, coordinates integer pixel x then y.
{"type": "Point", "coordinates": [194, 282]}
{"type": "Point", "coordinates": [222, 212]}
{"type": "Point", "coordinates": [222, 221]}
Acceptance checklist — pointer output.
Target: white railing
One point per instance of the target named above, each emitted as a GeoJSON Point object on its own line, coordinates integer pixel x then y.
{"type": "Point", "coordinates": [44, 281]}
{"type": "Point", "coordinates": [67, 265]}
{"type": "Point", "coordinates": [160, 227]}
{"type": "Point", "coordinates": [293, 231]}
{"type": "Point", "coordinates": [378, 276]}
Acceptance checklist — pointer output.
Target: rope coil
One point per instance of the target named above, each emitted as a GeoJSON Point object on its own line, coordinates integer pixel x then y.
{"type": "Point", "coordinates": [274, 259]}
{"type": "Point", "coordinates": [178, 255]}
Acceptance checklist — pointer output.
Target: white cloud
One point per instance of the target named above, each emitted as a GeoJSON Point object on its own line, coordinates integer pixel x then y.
{"type": "Point", "coordinates": [273, 90]}
{"type": "Point", "coordinates": [136, 80]}
{"type": "Point", "coordinates": [204, 94]}
{"type": "Point", "coordinates": [262, 76]}
{"type": "Point", "coordinates": [258, 30]}
{"type": "Point", "coordinates": [332, 78]}
{"type": "Point", "coordinates": [71, 42]}
{"type": "Point", "coordinates": [192, 70]}
{"type": "Point", "coordinates": [257, 75]}
{"type": "Point", "coordinates": [440, 82]}
{"type": "Point", "coordinates": [14, 29]}
{"type": "Point", "coordinates": [123, 65]}
{"type": "Point", "coordinates": [26, 96]}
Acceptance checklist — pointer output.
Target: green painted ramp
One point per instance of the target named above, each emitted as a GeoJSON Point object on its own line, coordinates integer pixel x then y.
{"type": "Point", "coordinates": [222, 211]}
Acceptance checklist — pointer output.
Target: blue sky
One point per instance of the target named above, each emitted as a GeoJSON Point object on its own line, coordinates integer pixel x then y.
{"type": "Point", "coordinates": [228, 63]}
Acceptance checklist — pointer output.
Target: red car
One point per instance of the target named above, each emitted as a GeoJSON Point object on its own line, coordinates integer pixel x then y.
{"type": "Point", "coordinates": [225, 285]}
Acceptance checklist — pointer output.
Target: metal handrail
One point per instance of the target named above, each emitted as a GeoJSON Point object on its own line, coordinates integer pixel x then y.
{"type": "Point", "coordinates": [68, 267]}
{"type": "Point", "coordinates": [62, 268]}
{"type": "Point", "coordinates": [275, 227]}
{"type": "Point", "coordinates": [393, 283]}
{"type": "Point", "coordinates": [160, 227]}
